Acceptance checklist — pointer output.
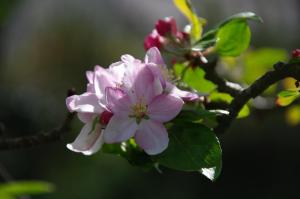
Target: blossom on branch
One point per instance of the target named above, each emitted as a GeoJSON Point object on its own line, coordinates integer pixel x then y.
{"type": "Point", "coordinates": [128, 99]}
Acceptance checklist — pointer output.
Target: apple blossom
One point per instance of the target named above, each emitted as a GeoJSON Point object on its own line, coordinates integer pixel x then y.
{"type": "Point", "coordinates": [90, 106]}
{"type": "Point", "coordinates": [141, 111]}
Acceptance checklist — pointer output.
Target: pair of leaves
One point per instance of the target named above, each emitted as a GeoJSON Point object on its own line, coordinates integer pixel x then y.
{"type": "Point", "coordinates": [185, 7]}
{"type": "Point", "coordinates": [13, 190]}
{"type": "Point", "coordinates": [231, 37]}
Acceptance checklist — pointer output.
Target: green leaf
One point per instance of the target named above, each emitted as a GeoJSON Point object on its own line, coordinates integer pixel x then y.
{"type": "Point", "coordinates": [285, 98]}
{"type": "Point", "coordinates": [192, 147]}
{"type": "Point", "coordinates": [185, 7]}
{"type": "Point", "coordinates": [21, 188]}
{"type": "Point", "coordinates": [194, 77]}
{"type": "Point", "coordinates": [242, 15]}
{"type": "Point", "coordinates": [195, 113]}
{"type": "Point", "coordinates": [209, 38]}
{"type": "Point", "coordinates": [233, 38]}
{"type": "Point", "coordinates": [131, 152]}
{"type": "Point", "coordinates": [288, 93]}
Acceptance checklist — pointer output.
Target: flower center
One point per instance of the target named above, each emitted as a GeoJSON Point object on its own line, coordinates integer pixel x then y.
{"type": "Point", "coordinates": [139, 111]}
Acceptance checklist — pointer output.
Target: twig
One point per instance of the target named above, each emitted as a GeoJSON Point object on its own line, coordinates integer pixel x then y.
{"type": "Point", "coordinates": [231, 88]}
{"type": "Point", "coordinates": [37, 139]}
{"type": "Point", "coordinates": [281, 71]}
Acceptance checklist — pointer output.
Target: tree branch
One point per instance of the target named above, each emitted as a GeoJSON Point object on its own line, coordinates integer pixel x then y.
{"type": "Point", "coordinates": [37, 139]}
{"type": "Point", "coordinates": [224, 86]}
{"type": "Point", "coordinates": [281, 71]}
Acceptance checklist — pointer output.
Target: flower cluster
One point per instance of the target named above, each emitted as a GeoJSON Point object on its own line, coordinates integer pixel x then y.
{"type": "Point", "coordinates": [164, 34]}
{"type": "Point", "coordinates": [130, 98]}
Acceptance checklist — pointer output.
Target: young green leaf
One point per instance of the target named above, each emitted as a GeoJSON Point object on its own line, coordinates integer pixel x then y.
{"type": "Point", "coordinates": [242, 15]}
{"type": "Point", "coordinates": [233, 38]}
{"type": "Point", "coordinates": [192, 147]}
{"type": "Point", "coordinates": [194, 77]}
{"type": "Point", "coordinates": [185, 7]}
{"type": "Point", "coordinates": [285, 98]}
{"type": "Point", "coordinates": [208, 39]}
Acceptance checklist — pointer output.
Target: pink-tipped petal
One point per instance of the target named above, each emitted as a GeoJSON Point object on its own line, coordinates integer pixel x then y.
{"type": "Point", "coordinates": [117, 101]}
{"type": "Point", "coordinates": [120, 129]}
{"type": "Point", "coordinates": [185, 95]}
{"type": "Point", "coordinates": [164, 107]}
{"type": "Point", "coordinates": [89, 141]}
{"type": "Point", "coordinates": [152, 137]}
{"type": "Point", "coordinates": [153, 56]}
{"type": "Point", "coordinates": [85, 103]}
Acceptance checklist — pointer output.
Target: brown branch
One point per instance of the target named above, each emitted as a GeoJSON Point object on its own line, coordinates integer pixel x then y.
{"type": "Point", "coordinates": [224, 86]}
{"type": "Point", "coordinates": [281, 71]}
{"type": "Point", "coordinates": [37, 139]}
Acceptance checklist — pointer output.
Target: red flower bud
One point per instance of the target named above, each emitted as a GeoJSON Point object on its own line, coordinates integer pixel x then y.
{"type": "Point", "coordinates": [296, 53]}
{"type": "Point", "coordinates": [153, 40]}
{"type": "Point", "coordinates": [166, 26]}
{"type": "Point", "coordinates": [105, 117]}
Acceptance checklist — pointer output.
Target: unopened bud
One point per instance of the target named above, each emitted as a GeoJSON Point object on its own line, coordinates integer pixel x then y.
{"type": "Point", "coordinates": [153, 40]}
{"type": "Point", "coordinates": [166, 26]}
{"type": "Point", "coordinates": [296, 53]}
{"type": "Point", "coordinates": [105, 117]}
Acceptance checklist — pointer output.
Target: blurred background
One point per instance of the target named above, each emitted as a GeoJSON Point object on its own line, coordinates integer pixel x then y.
{"type": "Point", "coordinates": [47, 45]}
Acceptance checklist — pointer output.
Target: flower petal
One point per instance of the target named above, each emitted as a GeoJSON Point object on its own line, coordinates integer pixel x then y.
{"type": "Point", "coordinates": [152, 137]}
{"type": "Point", "coordinates": [164, 107]}
{"type": "Point", "coordinates": [185, 95]}
{"type": "Point", "coordinates": [85, 103]}
{"type": "Point", "coordinates": [120, 129]}
{"type": "Point", "coordinates": [89, 141]}
{"type": "Point", "coordinates": [117, 70]}
{"type": "Point", "coordinates": [117, 101]}
{"type": "Point", "coordinates": [141, 84]}
{"type": "Point", "coordinates": [153, 56]}
{"type": "Point", "coordinates": [86, 117]}
{"type": "Point", "coordinates": [102, 79]}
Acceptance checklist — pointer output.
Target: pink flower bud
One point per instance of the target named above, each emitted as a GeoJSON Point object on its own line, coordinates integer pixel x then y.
{"type": "Point", "coordinates": [296, 53]}
{"type": "Point", "coordinates": [153, 40]}
{"type": "Point", "coordinates": [166, 26]}
{"type": "Point", "coordinates": [183, 36]}
{"type": "Point", "coordinates": [105, 117]}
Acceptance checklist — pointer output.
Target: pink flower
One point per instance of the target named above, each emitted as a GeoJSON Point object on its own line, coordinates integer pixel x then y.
{"type": "Point", "coordinates": [130, 98]}
{"type": "Point", "coordinates": [141, 111]}
{"type": "Point", "coordinates": [91, 108]}
{"type": "Point", "coordinates": [166, 26]}
{"type": "Point", "coordinates": [153, 40]}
